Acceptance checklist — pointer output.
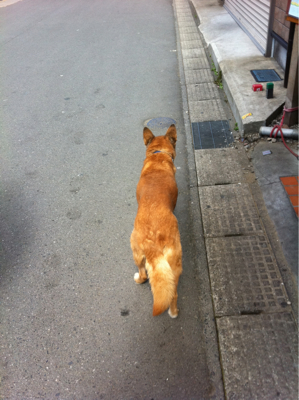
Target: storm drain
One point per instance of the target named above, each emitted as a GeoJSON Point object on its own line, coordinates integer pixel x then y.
{"type": "Point", "coordinates": [244, 276]}
{"type": "Point", "coordinates": [259, 355]}
{"type": "Point", "coordinates": [218, 166]}
{"type": "Point", "coordinates": [228, 210]}
{"type": "Point", "coordinates": [211, 134]}
{"type": "Point", "coordinates": [160, 122]}
{"type": "Point", "coordinates": [265, 75]}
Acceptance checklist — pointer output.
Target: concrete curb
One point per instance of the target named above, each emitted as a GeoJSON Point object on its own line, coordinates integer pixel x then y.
{"type": "Point", "coordinates": [237, 260]}
{"type": "Point", "coordinates": [213, 358]}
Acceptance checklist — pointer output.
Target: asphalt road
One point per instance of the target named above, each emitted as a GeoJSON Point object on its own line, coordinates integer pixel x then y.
{"type": "Point", "coordinates": [78, 80]}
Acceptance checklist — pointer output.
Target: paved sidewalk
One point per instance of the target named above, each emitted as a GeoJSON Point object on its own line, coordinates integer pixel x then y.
{"type": "Point", "coordinates": [257, 331]}
{"type": "Point", "coordinates": [233, 52]}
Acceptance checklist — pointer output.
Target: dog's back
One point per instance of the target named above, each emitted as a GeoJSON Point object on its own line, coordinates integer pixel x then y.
{"type": "Point", "coordinates": [155, 240]}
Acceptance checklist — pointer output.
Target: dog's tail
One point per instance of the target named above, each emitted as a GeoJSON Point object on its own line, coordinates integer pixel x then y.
{"type": "Point", "coordinates": [162, 282]}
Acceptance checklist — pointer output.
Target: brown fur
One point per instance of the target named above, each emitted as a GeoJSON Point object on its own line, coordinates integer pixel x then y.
{"type": "Point", "coordinates": [155, 240]}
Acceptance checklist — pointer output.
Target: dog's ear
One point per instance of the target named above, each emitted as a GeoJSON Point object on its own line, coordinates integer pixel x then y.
{"type": "Point", "coordinates": [147, 136]}
{"type": "Point", "coordinates": [171, 134]}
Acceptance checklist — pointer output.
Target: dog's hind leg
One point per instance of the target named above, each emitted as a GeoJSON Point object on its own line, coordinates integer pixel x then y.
{"type": "Point", "coordinates": [139, 258]}
{"type": "Point", "coordinates": [176, 266]}
{"type": "Point", "coordinates": [141, 276]}
{"type": "Point", "coordinates": [173, 310]}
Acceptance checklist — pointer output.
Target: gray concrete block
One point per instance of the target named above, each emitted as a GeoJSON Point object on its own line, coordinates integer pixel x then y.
{"type": "Point", "coordinates": [191, 44]}
{"type": "Point", "coordinates": [196, 53]}
{"type": "Point", "coordinates": [198, 76]}
{"type": "Point", "coordinates": [206, 110]}
{"type": "Point", "coordinates": [183, 18]}
{"type": "Point", "coordinates": [183, 11]}
{"type": "Point", "coordinates": [218, 167]}
{"type": "Point", "coordinates": [189, 30]}
{"type": "Point", "coordinates": [182, 7]}
{"type": "Point", "coordinates": [202, 91]}
{"type": "Point", "coordinates": [181, 3]}
{"type": "Point", "coordinates": [195, 63]}
{"type": "Point", "coordinates": [189, 36]}
{"type": "Point", "coordinates": [186, 23]}
{"type": "Point", "coordinates": [228, 210]}
{"type": "Point", "coordinates": [244, 276]}
{"type": "Point", "coordinates": [259, 356]}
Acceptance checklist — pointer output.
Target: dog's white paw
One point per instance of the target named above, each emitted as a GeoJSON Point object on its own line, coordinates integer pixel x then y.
{"type": "Point", "coordinates": [172, 315]}
{"type": "Point", "coordinates": [136, 277]}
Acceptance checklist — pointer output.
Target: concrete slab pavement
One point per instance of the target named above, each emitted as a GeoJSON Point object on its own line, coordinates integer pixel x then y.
{"type": "Point", "coordinates": [253, 290]}
{"type": "Point", "coordinates": [268, 170]}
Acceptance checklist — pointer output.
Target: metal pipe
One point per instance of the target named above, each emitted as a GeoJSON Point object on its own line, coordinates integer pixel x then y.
{"type": "Point", "coordinates": [288, 133]}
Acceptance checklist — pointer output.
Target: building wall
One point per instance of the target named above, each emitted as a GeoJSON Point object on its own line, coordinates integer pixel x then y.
{"type": "Point", "coordinates": [253, 17]}
{"type": "Point", "coordinates": [280, 54]}
{"type": "Point", "coordinates": [282, 28]}
{"type": "Point", "coordinates": [280, 25]}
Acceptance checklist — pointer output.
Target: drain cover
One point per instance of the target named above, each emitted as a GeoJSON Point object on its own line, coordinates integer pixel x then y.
{"type": "Point", "coordinates": [161, 122]}
{"type": "Point", "coordinates": [265, 75]}
{"type": "Point", "coordinates": [259, 355]}
{"type": "Point", "coordinates": [228, 210]}
{"type": "Point", "coordinates": [244, 276]}
{"type": "Point", "coordinates": [211, 134]}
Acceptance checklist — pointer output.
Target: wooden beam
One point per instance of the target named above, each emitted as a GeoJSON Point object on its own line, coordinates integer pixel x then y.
{"type": "Point", "coordinates": [292, 19]}
{"type": "Point", "coordinates": [292, 89]}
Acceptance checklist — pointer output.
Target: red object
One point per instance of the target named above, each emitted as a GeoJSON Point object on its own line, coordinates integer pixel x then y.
{"type": "Point", "coordinates": [257, 87]}
{"type": "Point", "coordinates": [291, 185]}
{"type": "Point", "coordinates": [278, 128]}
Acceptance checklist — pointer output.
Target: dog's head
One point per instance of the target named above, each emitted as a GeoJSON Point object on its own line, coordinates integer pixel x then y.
{"type": "Point", "coordinates": [164, 143]}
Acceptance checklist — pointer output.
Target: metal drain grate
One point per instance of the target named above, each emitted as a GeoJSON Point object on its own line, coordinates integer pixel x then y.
{"type": "Point", "coordinates": [265, 75]}
{"type": "Point", "coordinates": [244, 276]}
{"type": "Point", "coordinates": [211, 134]}
{"type": "Point", "coordinates": [228, 210]}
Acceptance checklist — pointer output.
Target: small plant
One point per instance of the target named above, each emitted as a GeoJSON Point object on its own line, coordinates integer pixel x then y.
{"type": "Point", "coordinates": [214, 68]}
{"type": "Point", "coordinates": [218, 81]}
{"type": "Point", "coordinates": [218, 76]}
{"type": "Point", "coordinates": [236, 128]}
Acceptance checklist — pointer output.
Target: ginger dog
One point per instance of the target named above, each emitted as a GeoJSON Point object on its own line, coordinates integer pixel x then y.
{"type": "Point", "coordinates": [155, 240]}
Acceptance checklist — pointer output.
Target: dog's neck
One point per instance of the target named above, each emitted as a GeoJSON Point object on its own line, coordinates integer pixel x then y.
{"type": "Point", "coordinates": [165, 152]}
